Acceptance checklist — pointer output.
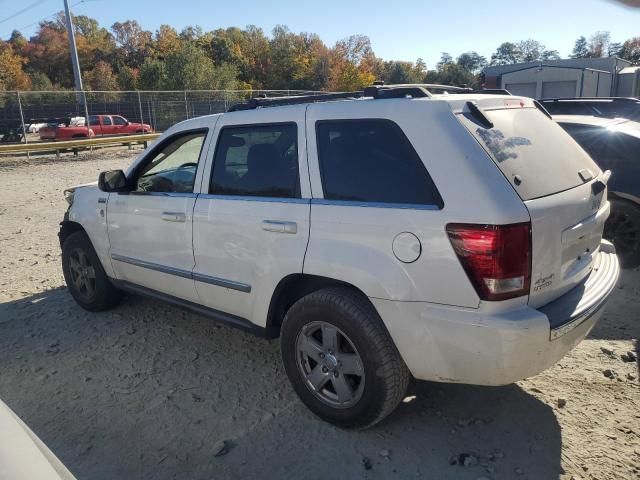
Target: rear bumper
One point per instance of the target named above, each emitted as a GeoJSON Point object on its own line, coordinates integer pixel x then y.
{"type": "Point", "coordinates": [482, 347]}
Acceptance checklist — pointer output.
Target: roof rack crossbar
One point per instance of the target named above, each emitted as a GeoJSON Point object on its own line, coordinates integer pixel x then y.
{"type": "Point", "coordinates": [396, 91]}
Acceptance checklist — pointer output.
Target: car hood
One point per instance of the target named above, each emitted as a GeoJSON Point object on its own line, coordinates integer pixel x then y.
{"type": "Point", "coordinates": [23, 456]}
{"type": "Point", "coordinates": [83, 185]}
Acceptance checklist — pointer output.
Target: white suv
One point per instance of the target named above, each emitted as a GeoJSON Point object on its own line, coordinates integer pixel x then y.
{"type": "Point", "coordinates": [455, 238]}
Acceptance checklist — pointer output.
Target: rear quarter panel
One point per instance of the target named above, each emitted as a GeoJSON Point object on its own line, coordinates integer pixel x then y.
{"type": "Point", "coordinates": [355, 244]}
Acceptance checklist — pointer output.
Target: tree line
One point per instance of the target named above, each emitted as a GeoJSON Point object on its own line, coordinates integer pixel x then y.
{"type": "Point", "coordinates": [128, 57]}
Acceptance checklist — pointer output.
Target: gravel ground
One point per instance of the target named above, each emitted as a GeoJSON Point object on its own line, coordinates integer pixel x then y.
{"type": "Point", "coordinates": [150, 391]}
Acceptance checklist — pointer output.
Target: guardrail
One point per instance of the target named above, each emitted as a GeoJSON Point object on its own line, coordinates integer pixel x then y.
{"type": "Point", "coordinates": [78, 143]}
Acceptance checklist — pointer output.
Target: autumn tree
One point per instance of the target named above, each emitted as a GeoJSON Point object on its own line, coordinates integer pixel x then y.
{"type": "Point", "coordinates": [133, 42]}
{"type": "Point", "coordinates": [48, 52]}
{"type": "Point", "coordinates": [166, 41]}
{"type": "Point", "coordinates": [12, 75]}
{"type": "Point", "coordinates": [351, 64]}
{"type": "Point", "coordinates": [631, 50]}
{"type": "Point", "coordinates": [101, 78]}
{"type": "Point", "coordinates": [599, 44]}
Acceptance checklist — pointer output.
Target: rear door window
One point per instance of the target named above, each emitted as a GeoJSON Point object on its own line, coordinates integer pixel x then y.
{"type": "Point", "coordinates": [257, 160]}
{"type": "Point", "coordinates": [372, 161]}
{"type": "Point", "coordinates": [533, 152]}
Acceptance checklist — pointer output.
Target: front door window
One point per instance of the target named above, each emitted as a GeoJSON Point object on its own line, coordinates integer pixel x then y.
{"type": "Point", "coordinates": [173, 167]}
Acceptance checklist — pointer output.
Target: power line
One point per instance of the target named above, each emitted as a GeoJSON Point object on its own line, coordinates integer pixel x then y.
{"type": "Point", "coordinates": [21, 11]}
{"type": "Point", "coordinates": [44, 18]}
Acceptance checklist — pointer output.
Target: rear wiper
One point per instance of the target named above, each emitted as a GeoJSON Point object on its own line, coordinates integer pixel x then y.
{"type": "Point", "coordinates": [479, 115]}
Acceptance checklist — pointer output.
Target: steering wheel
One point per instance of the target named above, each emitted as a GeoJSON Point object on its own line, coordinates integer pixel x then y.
{"type": "Point", "coordinates": [186, 165]}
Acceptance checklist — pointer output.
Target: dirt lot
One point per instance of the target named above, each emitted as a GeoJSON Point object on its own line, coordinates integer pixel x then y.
{"type": "Point", "coordinates": [149, 391]}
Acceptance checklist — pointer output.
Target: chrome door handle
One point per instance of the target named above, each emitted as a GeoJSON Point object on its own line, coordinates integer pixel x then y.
{"type": "Point", "coordinates": [279, 226]}
{"type": "Point", "coordinates": [174, 217]}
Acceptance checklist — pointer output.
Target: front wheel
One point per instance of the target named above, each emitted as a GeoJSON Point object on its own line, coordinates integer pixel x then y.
{"type": "Point", "coordinates": [341, 360]}
{"type": "Point", "coordinates": [86, 279]}
{"type": "Point", "coordinates": [623, 230]}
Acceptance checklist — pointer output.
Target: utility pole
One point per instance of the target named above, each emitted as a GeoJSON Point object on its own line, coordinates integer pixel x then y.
{"type": "Point", "coordinates": [75, 63]}
{"type": "Point", "coordinates": [72, 48]}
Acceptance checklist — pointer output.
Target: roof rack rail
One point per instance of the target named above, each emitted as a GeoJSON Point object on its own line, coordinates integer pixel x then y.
{"type": "Point", "coordinates": [378, 91]}
{"type": "Point", "coordinates": [254, 103]}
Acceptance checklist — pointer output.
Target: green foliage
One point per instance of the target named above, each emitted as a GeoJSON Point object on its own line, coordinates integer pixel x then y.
{"type": "Point", "coordinates": [472, 62]}
{"type": "Point", "coordinates": [40, 82]}
{"type": "Point", "coordinates": [580, 48]}
{"type": "Point", "coordinates": [506, 54]}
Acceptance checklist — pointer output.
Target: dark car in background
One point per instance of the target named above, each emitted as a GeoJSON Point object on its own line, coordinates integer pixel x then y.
{"type": "Point", "coordinates": [604, 107]}
{"type": "Point", "coordinates": [614, 145]}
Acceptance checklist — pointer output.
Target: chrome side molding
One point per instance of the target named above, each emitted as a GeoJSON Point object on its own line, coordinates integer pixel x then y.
{"type": "Point", "coordinates": [198, 277]}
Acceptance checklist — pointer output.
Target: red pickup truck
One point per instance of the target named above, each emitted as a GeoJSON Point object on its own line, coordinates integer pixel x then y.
{"type": "Point", "coordinates": [98, 125]}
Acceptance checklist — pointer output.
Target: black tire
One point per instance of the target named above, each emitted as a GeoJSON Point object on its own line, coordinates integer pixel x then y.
{"type": "Point", "coordinates": [385, 377]}
{"type": "Point", "coordinates": [623, 230]}
{"type": "Point", "coordinates": [99, 293]}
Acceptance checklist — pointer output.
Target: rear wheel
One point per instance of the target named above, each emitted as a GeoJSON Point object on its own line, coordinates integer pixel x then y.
{"type": "Point", "coordinates": [86, 279]}
{"type": "Point", "coordinates": [623, 230]}
{"type": "Point", "coordinates": [341, 360]}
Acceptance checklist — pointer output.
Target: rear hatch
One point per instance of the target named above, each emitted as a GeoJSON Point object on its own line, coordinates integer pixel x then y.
{"type": "Point", "coordinates": [563, 189]}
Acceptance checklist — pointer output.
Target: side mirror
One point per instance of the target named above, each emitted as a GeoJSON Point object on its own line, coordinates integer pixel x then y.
{"type": "Point", "coordinates": [112, 181]}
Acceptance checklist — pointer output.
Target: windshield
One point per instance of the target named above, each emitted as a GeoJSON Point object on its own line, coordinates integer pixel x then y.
{"type": "Point", "coordinates": [535, 154]}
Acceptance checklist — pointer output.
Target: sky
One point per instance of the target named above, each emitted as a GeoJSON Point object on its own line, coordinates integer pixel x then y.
{"type": "Point", "coordinates": [406, 30]}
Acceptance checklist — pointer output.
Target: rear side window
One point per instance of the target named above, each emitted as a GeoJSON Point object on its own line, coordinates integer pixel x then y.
{"type": "Point", "coordinates": [533, 152]}
{"type": "Point", "coordinates": [257, 160]}
{"type": "Point", "coordinates": [106, 120]}
{"type": "Point", "coordinates": [372, 161]}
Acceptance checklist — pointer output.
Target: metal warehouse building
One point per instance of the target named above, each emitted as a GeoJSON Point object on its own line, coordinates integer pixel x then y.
{"type": "Point", "coordinates": [574, 77]}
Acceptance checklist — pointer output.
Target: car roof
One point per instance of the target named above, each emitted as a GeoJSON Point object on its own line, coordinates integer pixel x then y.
{"type": "Point", "coordinates": [589, 120]}
{"type": "Point", "coordinates": [591, 99]}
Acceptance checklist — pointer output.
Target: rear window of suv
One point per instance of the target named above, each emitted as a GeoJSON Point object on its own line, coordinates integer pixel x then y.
{"type": "Point", "coordinates": [533, 152]}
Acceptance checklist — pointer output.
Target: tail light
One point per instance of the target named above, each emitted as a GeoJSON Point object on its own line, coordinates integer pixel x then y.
{"type": "Point", "coordinates": [497, 258]}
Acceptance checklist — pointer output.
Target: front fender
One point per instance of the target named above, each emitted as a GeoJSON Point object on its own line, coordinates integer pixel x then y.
{"type": "Point", "coordinates": [89, 210]}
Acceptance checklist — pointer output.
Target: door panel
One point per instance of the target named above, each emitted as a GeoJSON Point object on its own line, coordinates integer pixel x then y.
{"type": "Point", "coordinates": [242, 259]}
{"type": "Point", "coordinates": [251, 223]}
{"type": "Point", "coordinates": [151, 228]}
{"type": "Point", "coordinates": [145, 247]}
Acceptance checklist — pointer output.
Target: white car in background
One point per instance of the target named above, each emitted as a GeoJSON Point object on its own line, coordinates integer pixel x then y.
{"type": "Point", "coordinates": [35, 127]}
{"type": "Point", "coordinates": [23, 456]}
{"type": "Point", "coordinates": [380, 234]}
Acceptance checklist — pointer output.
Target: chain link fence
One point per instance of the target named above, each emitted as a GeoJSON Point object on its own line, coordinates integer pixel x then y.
{"type": "Point", "coordinates": [22, 114]}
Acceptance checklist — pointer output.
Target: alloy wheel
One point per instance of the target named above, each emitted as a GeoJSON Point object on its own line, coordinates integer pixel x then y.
{"type": "Point", "coordinates": [330, 364]}
{"type": "Point", "coordinates": [83, 274]}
